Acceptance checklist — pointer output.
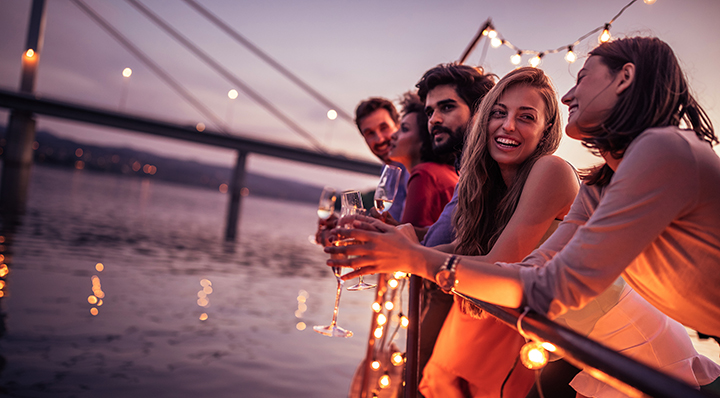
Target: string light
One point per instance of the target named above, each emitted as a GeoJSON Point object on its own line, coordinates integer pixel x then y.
{"type": "Point", "coordinates": [29, 53]}
{"type": "Point", "coordinates": [400, 275]}
{"type": "Point", "coordinates": [570, 56]}
{"type": "Point", "coordinates": [533, 355]}
{"type": "Point", "coordinates": [393, 283]}
{"type": "Point", "coordinates": [375, 365]}
{"type": "Point", "coordinates": [397, 358]}
{"type": "Point", "coordinates": [605, 35]}
{"type": "Point", "coordinates": [378, 332]}
{"type": "Point", "coordinates": [381, 319]}
{"type": "Point", "coordinates": [384, 381]}
{"type": "Point", "coordinates": [535, 61]}
{"type": "Point", "coordinates": [404, 321]}
{"type": "Point", "coordinates": [389, 305]}
{"type": "Point", "coordinates": [496, 40]}
{"type": "Point", "coordinates": [376, 307]}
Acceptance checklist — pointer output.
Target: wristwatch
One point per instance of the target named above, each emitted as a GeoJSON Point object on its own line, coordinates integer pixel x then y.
{"type": "Point", "coordinates": [445, 277]}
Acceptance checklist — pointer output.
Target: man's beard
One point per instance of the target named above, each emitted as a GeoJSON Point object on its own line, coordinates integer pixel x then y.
{"type": "Point", "coordinates": [454, 143]}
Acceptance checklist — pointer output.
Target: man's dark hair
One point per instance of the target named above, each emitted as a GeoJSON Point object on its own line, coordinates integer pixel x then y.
{"type": "Point", "coordinates": [470, 83]}
{"type": "Point", "coordinates": [370, 105]}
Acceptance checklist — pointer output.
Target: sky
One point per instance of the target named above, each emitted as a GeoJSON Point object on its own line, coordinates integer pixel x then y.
{"type": "Point", "coordinates": [347, 50]}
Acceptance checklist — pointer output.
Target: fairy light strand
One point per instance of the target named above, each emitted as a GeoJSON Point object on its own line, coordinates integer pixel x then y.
{"type": "Point", "coordinates": [497, 40]}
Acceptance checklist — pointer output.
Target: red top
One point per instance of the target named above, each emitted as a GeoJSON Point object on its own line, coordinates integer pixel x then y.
{"type": "Point", "coordinates": [429, 189]}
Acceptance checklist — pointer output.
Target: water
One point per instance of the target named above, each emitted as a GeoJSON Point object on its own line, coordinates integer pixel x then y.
{"type": "Point", "coordinates": [157, 242]}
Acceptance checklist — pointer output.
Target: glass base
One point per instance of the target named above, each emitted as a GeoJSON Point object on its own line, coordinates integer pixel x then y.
{"type": "Point", "coordinates": [333, 331]}
{"type": "Point", "coordinates": [361, 286]}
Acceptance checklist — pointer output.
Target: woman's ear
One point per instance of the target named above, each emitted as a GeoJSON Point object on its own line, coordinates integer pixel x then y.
{"type": "Point", "coordinates": [625, 77]}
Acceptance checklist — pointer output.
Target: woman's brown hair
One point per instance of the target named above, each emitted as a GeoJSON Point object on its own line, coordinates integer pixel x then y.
{"type": "Point", "coordinates": [659, 96]}
{"type": "Point", "coordinates": [485, 203]}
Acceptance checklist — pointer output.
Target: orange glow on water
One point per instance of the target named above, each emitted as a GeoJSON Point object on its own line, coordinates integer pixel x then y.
{"type": "Point", "coordinates": [79, 152]}
{"type": "Point", "coordinates": [136, 166]}
{"type": "Point", "coordinates": [203, 316]}
{"type": "Point", "coordinates": [92, 299]}
{"type": "Point", "coordinates": [94, 311]}
{"type": "Point", "coordinates": [208, 289]}
{"type": "Point", "coordinates": [205, 282]}
{"type": "Point", "coordinates": [203, 302]}
{"type": "Point", "coordinates": [223, 188]}
{"type": "Point", "coordinates": [3, 270]}
{"type": "Point", "coordinates": [301, 326]}
{"type": "Point", "coordinates": [2, 294]}
{"type": "Point", "coordinates": [244, 191]}
{"type": "Point", "coordinates": [79, 165]}
{"type": "Point", "coordinates": [99, 267]}
{"type": "Point", "coordinates": [99, 303]}
{"type": "Point", "coordinates": [2, 284]}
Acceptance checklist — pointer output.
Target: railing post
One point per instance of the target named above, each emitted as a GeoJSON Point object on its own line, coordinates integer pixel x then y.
{"type": "Point", "coordinates": [18, 156]}
{"type": "Point", "coordinates": [412, 366]}
{"type": "Point", "coordinates": [235, 190]}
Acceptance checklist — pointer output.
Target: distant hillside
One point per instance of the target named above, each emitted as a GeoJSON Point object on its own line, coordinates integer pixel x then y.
{"type": "Point", "coordinates": [55, 151]}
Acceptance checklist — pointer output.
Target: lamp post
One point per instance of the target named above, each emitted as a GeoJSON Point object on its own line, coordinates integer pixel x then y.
{"type": "Point", "coordinates": [127, 72]}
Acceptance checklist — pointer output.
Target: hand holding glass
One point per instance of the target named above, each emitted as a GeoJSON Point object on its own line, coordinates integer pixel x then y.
{"type": "Point", "coordinates": [387, 187]}
{"type": "Point", "coordinates": [352, 204]}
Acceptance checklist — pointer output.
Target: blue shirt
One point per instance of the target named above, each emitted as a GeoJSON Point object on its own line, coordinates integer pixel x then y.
{"type": "Point", "coordinates": [399, 203]}
{"type": "Point", "coordinates": [442, 232]}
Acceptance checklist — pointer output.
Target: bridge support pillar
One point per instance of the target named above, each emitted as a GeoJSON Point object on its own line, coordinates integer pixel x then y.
{"type": "Point", "coordinates": [235, 190]}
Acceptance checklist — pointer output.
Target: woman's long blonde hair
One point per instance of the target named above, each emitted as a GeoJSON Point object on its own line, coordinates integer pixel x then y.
{"type": "Point", "coordinates": [485, 203]}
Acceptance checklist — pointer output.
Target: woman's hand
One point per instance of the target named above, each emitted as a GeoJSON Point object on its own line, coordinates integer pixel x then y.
{"type": "Point", "coordinates": [381, 249]}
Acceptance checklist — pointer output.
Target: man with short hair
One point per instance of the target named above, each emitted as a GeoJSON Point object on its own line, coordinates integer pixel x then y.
{"type": "Point", "coordinates": [451, 94]}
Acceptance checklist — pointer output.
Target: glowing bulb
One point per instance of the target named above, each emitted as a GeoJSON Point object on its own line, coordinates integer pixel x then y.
{"type": "Point", "coordinates": [203, 316]}
{"type": "Point", "coordinates": [485, 32]}
{"type": "Point", "coordinates": [200, 127]}
{"type": "Point", "coordinates": [30, 53]}
{"type": "Point", "coordinates": [381, 319]}
{"type": "Point", "coordinates": [516, 59]}
{"type": "Point", "coordinates": [384, 381]}
{"type": "Point", "coordinates": [397, 359]}
{"type": "Point", "coordinates": [94, 311]}
{"type": "Point", "coordinates": [376, 307]}
{"type": "Point", "coordinates": [492, 34]}
{"type": "Point", "coordinates": [378, 332]}
{"type": "Point", "coordinates": [393, 283]}
{"type": "Point", "coordinates": [300, 326]}
{"type": "Point", "coordinates": [92, 299]}
{"type": "Point", "coordinates": [649, 1]}
{"type": "Point", "coordinates": [400, 275]}
{"type": "Point", "coordinates": [533, 355]}
{"type": "Point", "coordinates": [232, 94]}
{"type": "Point", "coordinates": [570, 56]}
{"type": "Point", "coordinates": [404, 321]}
{"type": "Point", "coordinates": [375, 365]}
{"type": "Point", "coordinates": [496, 42]}
{"type": "Point", "coordinates": [99, 267]}
{"type": "Point", "coordinates": [127, 72]}
{"type": "Point", "coordinates": [605, 35]}
{"type": "Point", "coordinates": [535, 61]}
{"type": "Point", "coordinates": [389, 305]}
{"type": "Point", "coordinates": [332, 114]}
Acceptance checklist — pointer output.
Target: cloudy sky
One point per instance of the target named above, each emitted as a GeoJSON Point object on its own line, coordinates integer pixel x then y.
{"type": "Point", "coordinates": [345, 49]}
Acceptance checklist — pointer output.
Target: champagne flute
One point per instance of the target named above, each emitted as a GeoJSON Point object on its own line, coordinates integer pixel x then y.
{"type": "Point", "coordinates": [387, 187]}
{"type": "Point", "coordinates": [352, 204]}
{"type": "Point", "coordinates": [349, 206]}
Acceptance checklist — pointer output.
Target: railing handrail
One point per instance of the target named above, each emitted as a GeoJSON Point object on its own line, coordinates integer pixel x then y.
{"type": "Point", "coordinates": [81, 113]}
{"type": "Point", "coordinates": [603, 363]}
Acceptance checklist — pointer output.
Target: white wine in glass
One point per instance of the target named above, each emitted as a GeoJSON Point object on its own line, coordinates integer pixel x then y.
{"type": "Point", "coordinates": [387, 188]}
{"type": "Point", "coordinates": [351, 203]}
{"type": "Point", "coordinates": [326, 206]}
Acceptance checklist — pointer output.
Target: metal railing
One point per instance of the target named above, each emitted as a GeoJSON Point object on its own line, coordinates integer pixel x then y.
{"type": "Point", "coordinates": [606, 365]}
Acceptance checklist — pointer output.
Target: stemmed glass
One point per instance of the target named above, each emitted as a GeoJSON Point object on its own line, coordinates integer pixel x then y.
{"type": "Point", "coordinates": [349, 206]}
{"type": "Point", "coordinates": [327, 203]}
{"type": "Point", "coordinates": [352, 204]}
{"type": "Point", "coordinates": [387, 187]}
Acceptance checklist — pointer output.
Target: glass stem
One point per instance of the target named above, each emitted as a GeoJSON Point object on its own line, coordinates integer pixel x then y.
{"type": "Point", "coordinates": [340, 284]}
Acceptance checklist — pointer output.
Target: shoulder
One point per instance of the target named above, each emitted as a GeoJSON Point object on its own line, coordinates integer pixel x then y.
{"type": "Point", "coordinates": [552, 167]}
{"type": "Point", "coordinates": [663, 149]}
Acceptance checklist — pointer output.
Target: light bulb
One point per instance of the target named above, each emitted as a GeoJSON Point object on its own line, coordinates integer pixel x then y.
{"type": "Point", "coordinates": [381, 319]}
{"type": "Point", "coordinates": [649, 1]}
{"type": "Point", "coordinates": [332, 114]}
{"type": "Point", "coordinates": [397, 359]}
{"type": "Point", "coordinates": [375, 365]}
{"type": "Point", "coordinates": [384, 381]}
{"type": "Point", "coordinates": [389, 305]}
{"type": "Point", "coordinates": [516, 59]}
{"type": "Point", "coordinates": [570, 56]}
{"type": "Point", "coordinates": [378, 332]}
{"type": "Point", "coordinates": [534, 61]}
{"type": "Point", "coordinates": [549, 346]}
{"type": "Point", "coordinates": [376, 307]}
{"type": "Point", "coordinates": [492, 34]}
{"type": "Point", "coordinates": [404, 322]}
{"type": "Point", "coordinates": [496, 42]}
{"type": "Point", "coordinates": [533, 355]}
{"type": "Point", "coordinates": [127, 72]}
{"type": "Point", "coordinates": [232, 94]}
{"type": "Point", "coordinates": [605, 35]}
{"type": "Point", "coordinates": [400, 275]}
{"type": "Point", "coordinates": [393, 283]}
{"type": "Point", "coordinates": [30, 53]}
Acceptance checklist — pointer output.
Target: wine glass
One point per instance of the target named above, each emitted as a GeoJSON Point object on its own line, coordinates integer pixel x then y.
{"type": "Point", "coordinates": [387, 187]}
{"type": "Point", "coordinates": [349, 206]}
{"type": "Point", "coordinates": [352, 204]}
{"type": "Point", "coordinates": [327, 203]}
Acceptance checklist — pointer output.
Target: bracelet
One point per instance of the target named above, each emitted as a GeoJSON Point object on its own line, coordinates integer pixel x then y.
{"type": "Point", "coordinates": [445, 277]}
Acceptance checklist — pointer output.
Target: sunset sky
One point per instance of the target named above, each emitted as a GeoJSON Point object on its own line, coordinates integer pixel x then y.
{"type": "Point", "coordinates": [346, 50]}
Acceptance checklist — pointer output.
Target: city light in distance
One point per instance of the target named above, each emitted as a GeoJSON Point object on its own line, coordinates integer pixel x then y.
{"type": "Point", "coordinates": [332, 114]}
{"type": "Point", "coordinates": [127, 72]}
{"type": "Point", "coordinates": [232, 94]}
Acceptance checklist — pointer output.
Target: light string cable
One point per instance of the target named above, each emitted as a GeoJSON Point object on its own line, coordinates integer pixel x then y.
{"type": "Point", "coordinates": [174, 84]}
{"type": "Point", "coordinates": [235, 35]}
{"type": "Point", "coordinates": [497, 40]}
{"type": "Point", "coordinates": [227, 74]}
